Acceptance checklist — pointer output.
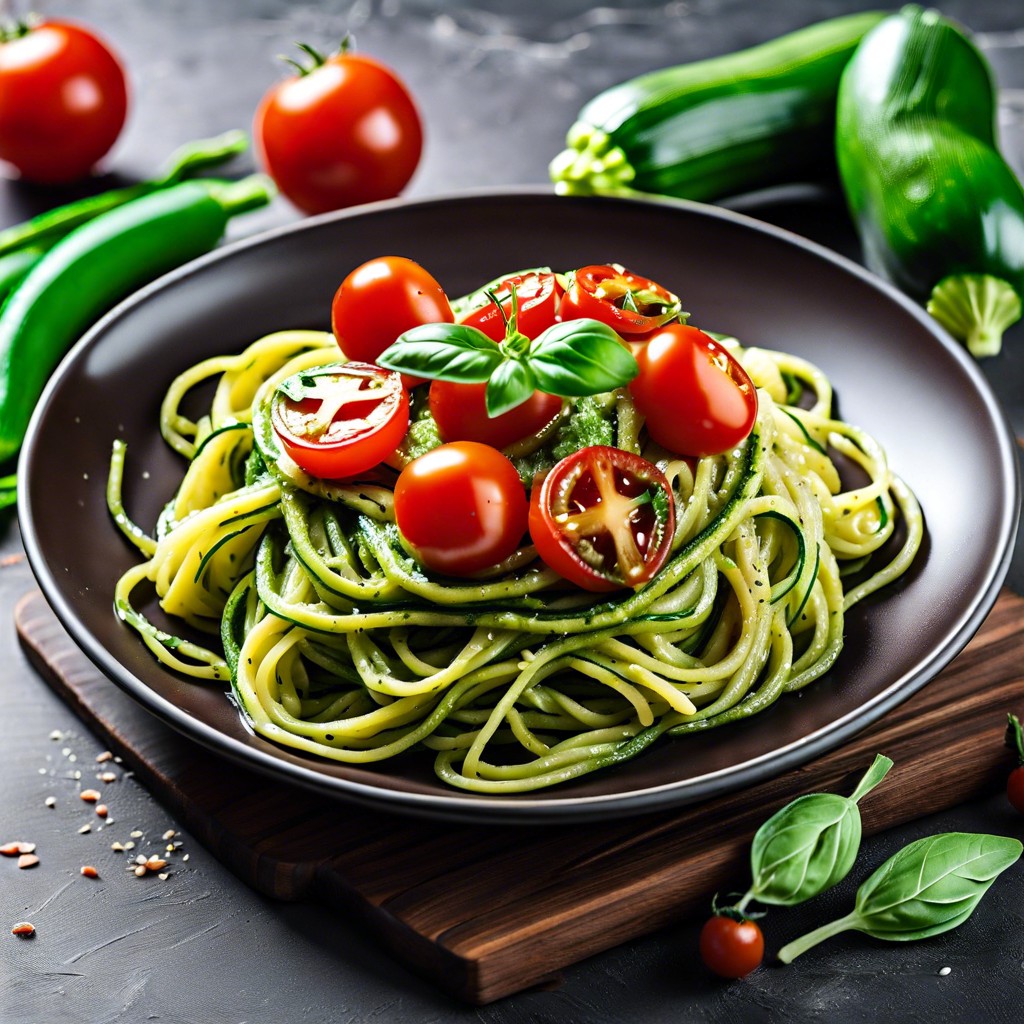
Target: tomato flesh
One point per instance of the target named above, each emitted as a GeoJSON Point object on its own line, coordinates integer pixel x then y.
{"type": "Point", "coordinates": [603, 518]}
{"type": "Point", "coordinates": [695, 397]}
{"type": "Point", "coordinates": [731, 948]}
{"type": "Point", "coordinates": [537, 300]}
{"type": "Point", "coordinates": [341, 420]}
{"type": "Point", "coordinates": [1015, 788]}
{"type": "Point", "coordinates": [380, 300]}
{"type": "Point", "coordinates": [63, 102]}
{"type": "Point", "coordinates": [632, 305]}
{"type": "Point", "coordinates": [345, 132]}
{"type": "Point", "coordinates": [461, 508]}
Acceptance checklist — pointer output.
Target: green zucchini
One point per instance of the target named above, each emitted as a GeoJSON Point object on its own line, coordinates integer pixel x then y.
{"type": "Point", "coordinates": [719, 126]}
{"type": "Point", "coordinates": [939, 211]}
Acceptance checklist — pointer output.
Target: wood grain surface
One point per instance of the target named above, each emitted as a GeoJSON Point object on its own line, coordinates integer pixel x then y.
{"type": "Point", "coordinates": [488, 911]}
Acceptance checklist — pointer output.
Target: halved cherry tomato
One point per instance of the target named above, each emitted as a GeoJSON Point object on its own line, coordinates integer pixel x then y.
{"type": "Point", "coordinates": [381, 299]}
{"type": "Point", "coordinates": [603, 518]}
{"type": "Point", "coordinates": [461, 508]}
{"type": "Point", "coordinates": [632, 305]}
{"type": "Point", "coordinates": [340, 420]}
{"type": "Point", "coordinates": [461, 414]}
{"type": "Point", "coordinates": [696, 398]}
{"type": "Point", "coordinates": [537, 299]}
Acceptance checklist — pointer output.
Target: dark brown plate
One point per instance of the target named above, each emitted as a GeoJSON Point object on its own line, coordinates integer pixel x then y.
{"type": "Point", "coordinates": [895, 374]}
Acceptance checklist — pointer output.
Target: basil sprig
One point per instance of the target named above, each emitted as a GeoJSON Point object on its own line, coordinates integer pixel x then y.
{"type": "Point", "coordinates": [810, 844]}
{"type": "Point", "coordinates": [928, 887]}
{"type": "Point", "coordinates": [570, 359]}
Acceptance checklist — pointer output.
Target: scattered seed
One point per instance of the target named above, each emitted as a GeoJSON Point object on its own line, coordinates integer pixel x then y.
{"type": "Point", "coordinates": [140, 859]}
{"type": "Point", "coordinates": [24, 930]}
{"type": "Point", "coordinates": [169, 848]}
{"type": "Point", "coordinates": [108, 777]}
{"type": "Point", "coordinates": [164, 875]}
{"type": "Point", "coordinates": [185, 857]}
{"type": "Point", "coordinates": [28, 860]}
{"type": "Point", "coordinates": [90, 796]}
{"type": "Point", "coordinates": [117, 847]}
{"type": "Point", "coordinates": [51, 801]}
{"type": "Point", "coordinates": [14, 849]}
{"type": "Point", "coordinates": [129, 845]}
{"type": "Point", "coordinates": [137, 834]}
{"type": "Point", "coordinates": [56, 735]}
{"type": "Point", "coordinates": [65, 751]}
{"type": "Point", "coordinates": [101, 810]}
{"type": "Point", "coordinates": [140, 871]}
{"type": "Point", "coordinates": [169, 834]}
{"type": "Point", "coordinates": [85, 828]}
{"type": "Point", "coordinates": [105, 756]}
{"type": "Point", "coordinates": [89, 871]}
{"type": "Point", "coordinates": [72, 757]}
{"type": "Point", "coordinates": [156, 864]}
{"type": "Point", "coordinates": [944, 971]}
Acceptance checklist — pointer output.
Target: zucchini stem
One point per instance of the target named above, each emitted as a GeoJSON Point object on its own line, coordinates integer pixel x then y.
{"type": "Point", "coordinates": [591, 164]}
{"type": "Point", "coordinates": [975, 309]}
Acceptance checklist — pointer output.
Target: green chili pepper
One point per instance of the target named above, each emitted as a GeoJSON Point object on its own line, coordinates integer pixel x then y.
{"type": "Point", "coordinates": [94, 267]}
{"type": "Point", "coordinates": [15, 265]}
{"type": "Point", "coordinates": [193, 158]}
{"type": "Point", "coordinates": [939, 211]}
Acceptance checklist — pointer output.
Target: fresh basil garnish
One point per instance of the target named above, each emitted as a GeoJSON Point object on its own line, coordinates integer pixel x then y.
{"type": "Point", "coordinates": [927, 888]}
{"type": "Point", "coordinates": [810, 844]}
{"type": "Point", "coordinates": [570, 359]}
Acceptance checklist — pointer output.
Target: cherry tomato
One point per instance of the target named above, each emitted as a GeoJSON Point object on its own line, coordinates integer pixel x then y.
{"type": "Point", "coordinates": [340, 420]}
{"type": "Point", "coordinates": [633, 305]}
{"type": "Point", "coordinates": [1015, 788]}
{"type": "Point", "coordinates": [341, 132]}
{"type": "Point", "coordinates": [603, 518]}
{"type": "Point", "coordinates": [460, 412]}
{"type": "Point", "coordinates": [695, 396]}
{"type": "Point", "coordinates": [461, 508]}
{"type": "Point", "coordinates": [537, 298]}
{"type": "Point", "coordinates": [731, 948]}
{"type": "Point", "coordinates": [379, 300]}
{"type": "Point", "coordinates": [63, 101]}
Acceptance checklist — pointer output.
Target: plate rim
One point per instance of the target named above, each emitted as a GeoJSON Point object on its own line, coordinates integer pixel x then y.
{"type": "Point", "coordinates": [474, 807]}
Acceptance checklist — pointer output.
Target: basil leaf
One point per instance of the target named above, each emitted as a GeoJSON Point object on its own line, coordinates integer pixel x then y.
{"type": "Point", "coordinates": [443, 352]}
{"type": "Point", "coordinates": [925, 889]}
{"type": "Point", "coordinates": [581, 357]}
{"type": "Point", "coordinates": [510, 385]}
{"type": "Point", "coordinates": [810, 844]}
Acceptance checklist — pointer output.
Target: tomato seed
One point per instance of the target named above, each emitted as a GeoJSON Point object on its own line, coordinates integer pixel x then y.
{"type": "Point", "coordinates": [24, 929]}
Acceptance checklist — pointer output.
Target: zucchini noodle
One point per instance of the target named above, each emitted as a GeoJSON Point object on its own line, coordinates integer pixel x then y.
{"type": "Point", "coordinates": [337, 643]}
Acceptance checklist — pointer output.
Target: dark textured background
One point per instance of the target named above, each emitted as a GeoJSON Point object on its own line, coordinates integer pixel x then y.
{"type": "Point", "coordinates": [498, 83]}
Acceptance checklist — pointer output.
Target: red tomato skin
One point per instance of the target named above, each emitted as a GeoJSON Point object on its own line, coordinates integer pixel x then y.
{"type": "Point", "coordinates": [339, 461]}
{"type": "Point", "coordinates": [581, 302]}
{"type": "Point", "coordinates": [696, 398]}
{"type": "Point", "coordinates": [558, 553]}
{"type": "Point", "coordinates": [63, 102]}
{"type": "Point", "coordinates": [381, 299]}
{"type": "Point", "coordinates": [1015, 788]}
{"type": "Point", "coordinates": [460, 412]}
{"type": "Point", "coordinates": [538, 298]}
{"type": "Point", "coordinates": [730, 948]}
{"type": "Point", "coordinates": [461, 508]}
{"type": "Point", "coordinates": [347, 132]}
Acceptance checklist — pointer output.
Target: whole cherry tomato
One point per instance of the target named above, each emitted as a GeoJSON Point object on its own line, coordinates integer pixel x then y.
{"type": "Point", "coordinates": [460, 412]}
{"type": "Point", "coordinates": [695, 397]}
{"type": "Point", "coordinates": [461, 508]}
{"type": "Point", "coordinates": [537, 299]}
{"type": "Point", "coordinates": [380, 300]}
{"type": "Point", "coordinates": [63, 101]}
{"type": "Point", "coordinates": [343, 131]}
{"type": "Point", "coordinates": [731, 948]}
{"type": "Point", "coordinates": [340, 420]}
{"type": "Point", "coordinates": [603, 518]}
{"type": "Point", "coordinates": [633, 305]}
{"type": "Point", "coordinates": [1015, 780]}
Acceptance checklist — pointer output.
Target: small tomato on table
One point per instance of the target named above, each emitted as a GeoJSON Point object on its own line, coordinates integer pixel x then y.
{"type": "Point", "coordinates": [343, 130]}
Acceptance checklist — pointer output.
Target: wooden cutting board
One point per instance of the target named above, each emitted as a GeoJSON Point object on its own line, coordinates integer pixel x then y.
{"type": "Point", "coordinates": [487, 911]}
